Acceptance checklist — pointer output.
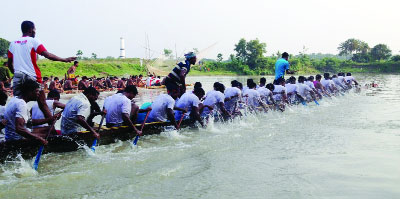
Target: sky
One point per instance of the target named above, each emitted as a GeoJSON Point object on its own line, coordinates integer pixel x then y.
{"type": "Point", "coordinates": [212, 26]}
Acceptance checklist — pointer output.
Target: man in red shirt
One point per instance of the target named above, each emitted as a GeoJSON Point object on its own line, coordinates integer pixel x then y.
{"type": "Point", "coordinates": [22, 61]}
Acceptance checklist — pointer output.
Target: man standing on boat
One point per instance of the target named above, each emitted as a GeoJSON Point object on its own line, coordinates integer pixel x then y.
{"type": "Point", "coordinates": [176, 79]}
{"type": "Point", "coordinates": [22, 62]}
{"type": "Point", "coordinates": [282, 65]}
{"type": "Point", "coordinates": [118, 108]}
{"type": "Point", "coordinates": [77, 111]}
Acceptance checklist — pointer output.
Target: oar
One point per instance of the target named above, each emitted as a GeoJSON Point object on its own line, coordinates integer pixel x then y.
{"type": "Point", "coordinates": [95, 140]}
{"type": "Point", "coordinates": [141, 129]}
{"type": "Point", "coordinates": [39, 155]}
{"type": "Point", "coordinates": [316, 102]}
{"type": "Point", "coordinates": [180, 121]}
{"type": "Point", "coordinates": [303, 102]}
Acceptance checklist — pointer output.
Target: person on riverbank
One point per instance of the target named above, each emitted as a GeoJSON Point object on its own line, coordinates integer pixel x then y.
{"type": "Point", "coordinates": [71, 71]}
{"type": "Point", "coordinates": [176, 79]}
{"type": "Point", "coordinates": [22, 62]}
{"type": "Point", "coordinates": [16, 115]}
{"type": "Point", "coordinates": [5, 77]}
{"type": "Point", "coordinates": [77, 110]}
{"type": "Point", "coordinates": [281, 66]}
{"type": "Point", "coordinates": [118, 108]}
{"type": "Point", "coordinates": [163, 108]}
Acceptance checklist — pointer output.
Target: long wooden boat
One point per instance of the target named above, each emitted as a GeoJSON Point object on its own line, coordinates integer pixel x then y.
{"type": "Point", "coordinates": [27, 148]}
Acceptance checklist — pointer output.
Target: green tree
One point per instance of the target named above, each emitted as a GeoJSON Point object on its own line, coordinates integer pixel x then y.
{"type": "Point", "coordinates": [351, 46]}
{"type": "Point", "coordinates": [94, 56]}
{"type": "Point", "coordinates": [381, 52]}
{"type": "Point", "coordinates": [79, 54]}
{"type": "Point", "coordinates": [219, 57]}
{"type": "Point", "coordinates": [255, 51]}
{"type": "Point", "coordinates": [240, 49]}
{"type": "Point", "coordinates": [395, 58]}
{"type": "Point", "coordinates": [4, 45]}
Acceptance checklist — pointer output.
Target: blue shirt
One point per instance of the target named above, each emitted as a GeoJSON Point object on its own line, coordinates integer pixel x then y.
{"type": "Point", "coordinates": [280, 67]}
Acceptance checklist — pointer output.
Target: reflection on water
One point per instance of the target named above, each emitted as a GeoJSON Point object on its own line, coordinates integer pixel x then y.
{"type": "Point", "coordinates": [345, 148]}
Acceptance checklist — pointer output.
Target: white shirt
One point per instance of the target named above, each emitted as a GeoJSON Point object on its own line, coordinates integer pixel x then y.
{"type": "Point", "coordinates": [337, 82]}
{"type": "Point", "coordinates": [229, 92]}
{"type": "Point", "coordinates": [117, 105]}
{"type": "Point", "coordinates": [187, 101]}
{"type": "Point", "coordinates": [2, 111]}
{"type": "Point", "coordinates": [38, 114]}
{"type": "Point", "coordinates": [327, 84]}
{"type": "Point", "coordinates": [78, 105]}
{"type": "Point", "coordinates": [16, 108]}
{"type": "Point", "coordinates": [214, 97]}
{"type": "Point", "coordinates": [291, 90]}
{"type": "Point", "coordinates": [160, 106]}
{"type": "Point", "coordinates": [253, 97]}
{"type": "Point", "coordinates": [264, 93]}
{"type": "Point", "coordinates": [341, 79]}
{"type": "Point", "coordinates": [277, 92]}
{"type": "Point", "coordinates": [310, 84]}
{"type": "Point", "coordinates": [23, 51]}
{"type": "Point", "coordinates": [304, 90]}
{"type": "Point", "coordinates": [349, 79]}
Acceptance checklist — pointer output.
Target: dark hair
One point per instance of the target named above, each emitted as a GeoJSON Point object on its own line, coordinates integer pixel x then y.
{"type": "Point", "coordinates": [348, 74]}
{"type": "Point", "coordinates": [27, 26]}
{"type": "Point", "coordinates": [197, 85]}
{"type": "Point", "coordinates": [263, 80]}
{"type": "Point", "coordinates": [131, 89]}
{"type": "Point", "coordinates": [326, 75]}
{"type": "Point", "coordinates": [317, 77]}
{"type": "Point", "coordinates": [53, 94]}
{"type": "Point", "coordinates": [292, 79]}
{"type": "Point", "coordinates": [252, 85]}
{"type": "Point", "coordinates": [285, 55]}
{"type": "Point", "coordinates": [279, 81]}
{"type": "Point", "coordinates": [84, 77]}
{"type": "Point", "coordinates": [219, 87]}
{"type": "Point", "coordinates": [334, 76]}
{"type": "Point", "coordinates": [199, 91]}
{"type": "Point", "coordinates": [75, 62]}
{"type": "Point", "coordinates": [45, 78]}
{"type": "Point", "coordinates": [301, 79]}
{"type": "Point", "coordinates": [91, 91]}
{"type": "Point", "coordinates": [249, 80]}
{"type": "Point", "coordinates": [29, 86]}
{"type": "Point", "coordinates": [140, 75]}
{"type": "Point", "coordinates": [56, 78]}
{"type": "Point", "coordinates": [3, 97]}
{"type": "Point", "coordinates": [234, 83]}
{"type": "Point", "coordinates": [240, 85]}
{"type": "Point", "coordinates": [270, 87]}
{"type": "Point", "coordinates": [310, 78]}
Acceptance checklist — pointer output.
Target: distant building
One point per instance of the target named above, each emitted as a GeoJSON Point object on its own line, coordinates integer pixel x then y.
{"type": "Point", "coordinates": [122, 49]}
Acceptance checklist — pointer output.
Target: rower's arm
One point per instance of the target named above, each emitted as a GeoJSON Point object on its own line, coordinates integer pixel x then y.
{"type": "Point", "coordinates": [127, 120]}
{"type": "Point", "coordinates": [46, 120]}
{"type": "Point", "coordinates": [10, 65]}
{"type": "Point", "coordinates": [271, 97]}
{"type": "Point", "coordinates": [222, 107]}
{"type": "Point", "coordinates": [196, 114]}
{"type": "Point", "coordinates": [54, 57]}
{"type": "Point", "coordinates": [20, 129]}
{"type": "Point", "coordinates": [180, 109]}
{"type": "Point", "coordinates": [171, 117]}
{"type": "Point", "coordinates": [58, 104]}
{"type": "Point", "coordinates": [145, 110]}
{"type": "Point", "coordinates": [81, 121]}
{"type": "Point", "coordinates": [290, 71]}
{"type": "Point", "coordinates": [355, 82]}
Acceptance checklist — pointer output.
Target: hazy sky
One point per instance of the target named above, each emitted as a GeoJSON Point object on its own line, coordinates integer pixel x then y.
{"type": "Point", "coordinates": [96, 25]}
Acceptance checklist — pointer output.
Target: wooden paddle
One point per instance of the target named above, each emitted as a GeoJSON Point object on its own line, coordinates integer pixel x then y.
{"type": "Point", "coordinates": [180, 121]}
{"type": "Point", "coordinates": [141, 129]}
{"type": "Point", "coordinates": [39, 155]}
{"type": "Point", "coordinates": [95, 140]}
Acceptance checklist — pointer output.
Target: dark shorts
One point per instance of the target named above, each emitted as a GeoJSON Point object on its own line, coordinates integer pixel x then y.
{"type": "Point", "coordinates": [18, 80]}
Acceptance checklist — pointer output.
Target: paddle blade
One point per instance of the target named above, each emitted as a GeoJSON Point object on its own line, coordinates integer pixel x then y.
{"type": "Point", "coordinates": [37, 159]}
{"type": "Point", "coordinates": [316, 102]}
{"type": "Point", "coordinates": [304, 103]}
{"type": "Point", "coordinates": [135, 141]}
{"type": "Point", "coordinates": [94, 145]}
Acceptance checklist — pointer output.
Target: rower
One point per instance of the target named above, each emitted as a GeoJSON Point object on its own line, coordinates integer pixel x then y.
{"type": "Point", "coordinates": [292, 90]}
{"type": "Point", "coordinates": [98, 83]}
{"type": "Point", "coordinates": [328, 83]}
{"type": "Point", "coordinates": [22, 56]}
{"type": "Point", "coordinates": [190, 101]}
{"type": "Point", "coordinates": [263, 81]}
{"type": "Point", "coordinates": [310, 83]}
{"type": "Point", "coordinates": [350, 79]}
{"type": "Point", "coordinates": [149, 81]}
{"type": "Point", "coordinates": [319, 87]}
{"type": "Point", "coordinates": [77, 110]}
{"type": "Point", "coordinates": [253, 97]}
{"type": "Point", "coordinates": [55, 85]}
{"type": "Point", "coordinates": [232, 96]}
{"type": "Point", "coordinates": [3, 101]}
{"type": "Point", "coordinates": [266, 95]}
{"type": "Point", "coordinates": [121, 83]}
{"type": "Point", "coordinates": [280, 93]}
{"type": "Point", "coordinates": [83, 84]}
{"type": "Point", "coordinates": [52, 102]}
{"type": "Point", "coordinates": [281, 66]}
{"type": "Point", "coordinates": [118, 108]}
{"type": "Point", "coordinates": [337, 82]}
{"type": "Point", "coordinates": [163, 108]}
{"type": "Point", "coordinates": [16, 114]}
{"type": "Point", "coordinates": [304, 90]}
{"type": "Point", "coordinates": [215, 99]}
{"type": "Point", "coordinates": [68, 85]}
{"type": "Point", "coordinates": [176, 79]}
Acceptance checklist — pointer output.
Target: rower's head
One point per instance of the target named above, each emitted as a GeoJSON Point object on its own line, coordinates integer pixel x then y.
{"type": "Point", "coordinates": [84, 78]}
{"type": "Point", "coordinates": [318, 77]}
{"type": "Point", "coordinates": [235, 83]}
{"type": "Point", "coordinates": [285, 55]}
{"type": "Point", "coordinates": [191, 57]}
{"type": "Point", "coordinates": [3, 98]}
{"type": "Point", "coordinates": [348, 74]}
{"type": "Point", "coordinates": [240, 85]}
{"type": "Point", "coordinates": [174, 93]}
{"type": "Point", "coordinates": [292, 80]}
{"type": "Point", "coordinates": [199, 92]}
{"type": "Point", "coordinates": [53, 95]}
{"type": "Point", "coordinates": [198, 85]}
{"type": "Point", "coordinates": [28, 29]}
{"type": "Point", "coordinates": [219, 87]}
{"type": "Point", "coordinates": [280, 81]}
{"type": "Point", "coordinates": [326, 75]}
{"type": "Point", "coordinates": [91, 93]}
{"type": "Point", "coordinates": [45, 79]}
{"type": "Point", "coordinates": [56, 79]}
{"type": "Point", "coordinates": [30, 90]}
{"type": "Point", "coordinates": [270, 87]}
{"type": "Point", "coordinates": [249, 81]}
{"type": "Point", "coordinates": [263, 80]}
{"type": "Point", "coordinates": [252, 85]}
{"type": "Point", "coordinates": [311, 78]}
{"type": "Point", "coordinates": [334, 76]}
{"type": "Point", "coordinates": [301, 79]}
{"type": "Point", "coordinates": [130, 92]}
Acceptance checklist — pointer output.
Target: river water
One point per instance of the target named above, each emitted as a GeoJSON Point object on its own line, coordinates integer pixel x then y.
{"type": "Point", "coordinates": [348, 147]}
